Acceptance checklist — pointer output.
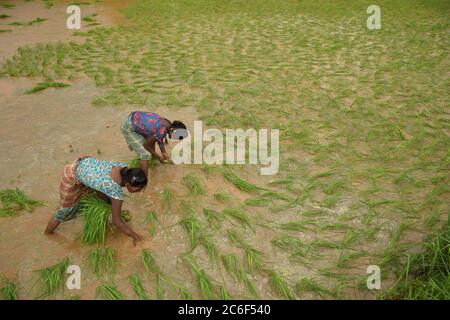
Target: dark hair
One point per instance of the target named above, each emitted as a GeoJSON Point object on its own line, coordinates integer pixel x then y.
{"type": "Point", "coordinates": [135, 177]}
{"type": "Point", "coordinates": [178, 125]}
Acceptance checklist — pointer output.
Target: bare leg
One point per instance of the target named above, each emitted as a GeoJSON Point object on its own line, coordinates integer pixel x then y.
{"type": "Point", "coordinates": [52, 225]}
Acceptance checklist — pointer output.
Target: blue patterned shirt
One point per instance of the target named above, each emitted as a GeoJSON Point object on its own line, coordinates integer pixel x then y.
{"type": "Point", "coordinates": [96, 174]}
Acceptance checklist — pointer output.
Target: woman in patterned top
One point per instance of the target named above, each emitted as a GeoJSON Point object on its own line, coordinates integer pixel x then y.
{"type": "Point", "coordinates": [88, 174]}
{"type": "Point", "coordinates": [142, 130]}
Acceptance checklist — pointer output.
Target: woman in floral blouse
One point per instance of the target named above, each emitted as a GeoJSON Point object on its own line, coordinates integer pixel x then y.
{"type": "Point", "coordinates": [88, 174]}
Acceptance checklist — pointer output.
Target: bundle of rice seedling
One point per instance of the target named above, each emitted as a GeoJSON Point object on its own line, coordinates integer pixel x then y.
{"type": "Point", "coordinates": [204, 282]}
{"type": "Point", "coordinates": [194, 185]}
{"type": "Point", "coordinates": [210, 247]}
{"type": "Point", "coordinates": [194, 229]}
{"type": "Point", "coordinates": [109, 291]}
{"type": "Point", "coordinates": [102, 260]}
{"type": "Point", "coordinates": [238, 215]}
{"type": "Point", "coordinates": [253, 259]}
{"type": "Point", "coordinates": [212, 215]}
{"type": "Point", "coordinates": [138, 287]}
{"type": "Point", "coordinates": [307, 284]}
{"type": "Point", "coordinates": [45, 85]}
{"type": "Point", "coordinates": [222, 196]}
{"type": "Point", "coordinates": [167, 197]}
{"type": "Point", "coordinates": [280, 285]}
{"type": "Point", "coordinates": [15, 200]}
{"type": "Point", "coordinates": [9, 290]}
{"type": "Point", "coordinates": [95, 212]}
{"type": "Point", "coordinates": [152, 220]}
{"type": "Point", "coordinates": [53, 277]}
{"type": "Point", "coordinates": [240, 183]}
{"type": "Point", "coordinates": [149, 262]}
{"type": "Point", "coordinates": [224, 294]}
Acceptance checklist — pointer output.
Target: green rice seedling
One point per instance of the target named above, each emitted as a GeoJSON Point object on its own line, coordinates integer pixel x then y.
{"type": "Point", "coordinates": [204, 282]}
{"type": "Point", "coordinates": [280, 286]}
{"type": "Point", "coordinates": [134, 163]}
{"type": "Point", "coordinates": [194, 229]}
{"type": "Point", "coordinates": [432, 219]}
{"type": "Point", "coordinates": [159, 286]}
{"type": "Point", "coordinates": [4, 16]}
{"type": "Point", "coordinates": [300, 225]}
{"type": "Point", "coordinates": [253, 259]}
{"type": "Point", "coordinates": [240, 183]}
{"type": "Point", "coordinates": [9, 290]}
{"type": "Point", "coordinates": [235, 238]}
{"type": "Point", "coordinates": [224, 294]}
{"type": "Point", "coordinates": [95, 259]}
{"type": "Point", "coordinates": [185, 294]}
{"type": "Point", "coordinates": [334, 227]}
{"type": "Point", "coordinates": [345, 259]}
{"type": "Point", "coordinates": [49, 3]}
{"type": "Point", "coordinates": [277, 195]}
{"type": "Point", "coordinates": [310, 285]}
{"type": "Point", "coordinates": [14, 200]}
{"type": "Point", "coordinates": [109, 291]}
{"type": "Point", "coordinates": [8, 5]}
{"type": "Point", "coordinates": [152, 220]}
{"type": "Point", "coordinates": [287, 242]}
{"type": "Point", "coordinates": [193, 184]}
{"type": "Point", "coordinates": [238, 215]}
{"type": "Point", "coordinates": [313, 213]}
{"type": "Point", "coordinates": [212, 215]}
{"type": "Point", "coordinates": [222, 196]}
{"type": "Point", "coordinates": [425, 274]}
{"type": "Point", "coordinates": [149, 262]}
{"type": "Point", "coordinates": [351, 236]}
{"type": "Point", "coordinates": [210, 247]}
{"type": "Point", "coordinates": [53, 277]}
{"type": "Point", "coordinates": [45, 85]}
{"type": "Point", "coordinates": [109, 261]}
{"type": "Point", "coordinates": [138, 287]}
{"type": "Point", "coordinates": [5, 30]}
{"type": "Point", "coordinates": [321, 243]}
{"type": "Point", "coordinates": [167, 197]}
{"type": "Point", "coordinates": [231, 265]}
{"type": "Point", "coordinates": [95, 212]}
{"type": "Point", "coordinates": [257, 202]}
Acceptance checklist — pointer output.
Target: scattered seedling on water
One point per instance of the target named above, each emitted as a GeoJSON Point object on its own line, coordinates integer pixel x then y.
{"type": "Point", "coordinates": [9, 289]}
{"type": "Point", "coordinates": [167, 197]}
{"type": "Point", "coordinates": [138, 287]}
{"type": "Point", "coordinates": [53, 277]}
{"type": "Point", "coordinates": [239, 215]}
{"type": "Point", "coordinates": [280, 286]}
{"type": "Point", "coordinates": [152, 220]}
{"type": "Point", "coordinates": [192, 182]}
{"type": "Point", "coordinates": [194, 229]}
{"type": "Point", "coordinates": [307, 284]}
{"type": "Point", "coordinates": [222, 196]}
{"type": "Point", "coordinates": [102, 260]}
{"type": "Point", "coordinates": [212, 215]}
{"type": "Point", "coordinates": [205, 283]}
{"type": "Point", "coordinates": [109, 291]}
{"type": "Point", "coordinates": [14, 200]}
{"type": "Point", "coordinates": [240, 183]}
